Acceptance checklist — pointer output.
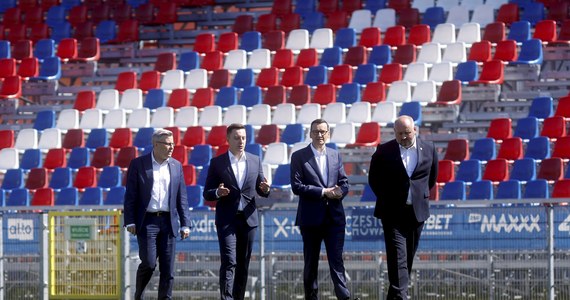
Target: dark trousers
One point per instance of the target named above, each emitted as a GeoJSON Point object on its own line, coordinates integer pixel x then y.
{"type": "Point", "coordinates": [402, 238]}
{"type": "Point", "coordinates": [333, 236]}
{"type": "Point", "coordinates": [236, 243]}
{"type": "Point", "coordinates": [156, 241]}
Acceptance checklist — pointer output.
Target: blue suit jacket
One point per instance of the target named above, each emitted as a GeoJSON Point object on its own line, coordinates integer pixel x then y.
{"type": "Point", "coordinates": [139, 188]}
{"type": "Point", "coordinates": [220, 171]}
{"type": "Point", "coordinates": [307, 182]}
{"type": "Point", "coordinates": [390, 182]}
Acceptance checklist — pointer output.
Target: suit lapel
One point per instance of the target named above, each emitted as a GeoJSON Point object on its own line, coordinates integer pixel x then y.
{"type": "Point", "coordinates": [419, 148]}
{"type": "Point", "coordinates": [147, 165]}
{"type": "Point", "coordinates": [173, 180]}
{"type": "Point", "coordinates": [313, 163]}
{"type": "Point", "coordinates": [229, 170]}
{"type": "Point", "coordinates": [331, 161]}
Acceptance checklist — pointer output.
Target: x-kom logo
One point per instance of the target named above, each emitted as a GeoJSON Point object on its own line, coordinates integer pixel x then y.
{"type": "Point", "coordinates": [285, 228]}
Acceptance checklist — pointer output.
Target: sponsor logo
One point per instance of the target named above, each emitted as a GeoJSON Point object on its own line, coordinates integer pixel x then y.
{"type": "Point", "coordinates": [506, 222]}
{"type": "Point", "coordinates": [20, 229]}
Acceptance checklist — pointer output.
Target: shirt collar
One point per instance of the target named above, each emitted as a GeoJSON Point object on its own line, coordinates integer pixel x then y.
{"type": "Point", "coordinates": [412, 147]}
{"type": "Point", "coordinates": [233, 158]}
{"type": "Point", "coordinates": [316, 152]}
{"type": "Point", "coordinates": [154, 160]}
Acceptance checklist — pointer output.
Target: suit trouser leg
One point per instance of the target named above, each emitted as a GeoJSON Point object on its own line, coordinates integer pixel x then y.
{"type": "Point", "coordinates": [147, 253]}
{"type": "Point", "coordinates": [334, 243]}
{"type": "Point", "coordinates": [312, 239]}
{"type": "Point", "coordinates": [227, 241]}
{"type": "Point", "coordinates": [166, 245]}
{"type": "Point", "coordinates": [245, 236]}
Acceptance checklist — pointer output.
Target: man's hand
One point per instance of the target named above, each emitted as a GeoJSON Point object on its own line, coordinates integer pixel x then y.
{"type": "Point", "coordinates": [264, 186]}
{"type": "Point", "coordinates": [132, 229]}
{"type": "Point", "coordinates": [333, 192]}
{"type": "Point", "coordinates": [222, 191]}
{"type": "Point", "coordinates": [184, 233]}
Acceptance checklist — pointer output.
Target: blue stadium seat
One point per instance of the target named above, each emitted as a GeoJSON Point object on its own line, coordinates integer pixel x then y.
{"type": "Point", "coordinates": [115, 196]}
{"type": "Point", "coordinates": [250, 96]}
{"type": "Point", "coordinates": [316, 75]}
{"type": "Point", "coordinates": [44, 48]}
{"type": "Point", "coordinates": [367, 194]}
{"type": "Point", "coordinates": [194, 194]}
{"type": "Point", "coordinates": [106, 31]}
{"type": "Point", "coordinates": [50, 69]}
{"type": "Point", "coordinates": [510, 189]}
{"type": "Point", "coordinates": [282, 177]}
{"type": "Point", "coordinates": [349, 93]}
{"type": "Point", "coordinates": [305, 7]}
{"type": "Point", "coordinates": [61, 178]}
{"type": "Point", "coordinates": [250, 134]}
{"type": "Point", "coordinates": [331, 57]}
{"type": "Point", "coordinates": [467, 71]}
{"type": "Point", "coordinates": [200, 156]}
{"type": "Point", "coordinates": [202, 175]}
{"type": "Point", "coordinates": [189, 60]}
{"type": "Point", "coordinates": [380, 55]}
{"type": "Point", "coordinates": [254, 148]}
{"type": "Point", "coordinates": [373, 6]}
{"type": "Point", "coordinates": [154, 99]}
{"type": "Point", "coordinates": [469, 170]}
{"type": "Point", "coordinates": [98, 137]}
{"type": "Point", "coordinates": [79, 157]}
{"type": "Point", "coordinates": [4, 5]}
{"type": "Point", "coordinates": [481, 190]}
{"type": "Point", "coordinates": [32, 158]}
{"type": "Point", "coordinates": [538, 148]}
{"type": "Point", "coordinates": [68, 4]}
{"type": "Point", "coordinates": [60, 32]}
{"type": "Point", "coordinates": [143, 138]}
{"type": "Point", "coordinates": [533, 12]}
{"type": "Point", "coordinates": [18, 197]}
{"type": "Point", "coordinates": [67, 196]}
{"type": "Point", "coordinates": [541, 107]}
{"type": "Point", "coordinates": [227, 96]}
{"type": "Point", "coordinates": [454, 190]}
{"type": "Point", "coordinates": [365, 74]}
{"type": "Point", "coordinates": [526, 128]}
{"type": "Point", "coordinates": [484, 149]}
{"type": "Point", "coordinates": [5, 51]}
{"type": "Point", "coordinates": [136, 3]}
{"type": "Point", "coordinates": [345, 38]}
{"type": "Point", "coordinates": [110, 177]}
{"type": "Point", "coordinates": [244, 79]}
{"type": "Point", "coordinates": [412, 109]}
{"type": "Point", "coordinates": [293, 133]}
{"type": "Point", "coordinates": [519, 32]}
{"type": "Point", "coordinates": [313, 21]}
{"type": "Point", "coordinates": [531, 53]}
{"type": "Point", "coordinates": [92, 196]}
{"type": "Point", "coordinates": [56, 17]}
{"type": "Point", "coordinates": [250, 41]}
{"type": "Point", "coordinates": [537, 189]}
{"type": "Point", "coordinates": [524, 169]}
{"type": "Point", "coordinates": [2, 197]}
{"type": "Point", "coordinates": [13, 179]}
{"type": "Point", "coordinates": [434, 16]}
{"type": "Point", "coordinates": [44, 119]}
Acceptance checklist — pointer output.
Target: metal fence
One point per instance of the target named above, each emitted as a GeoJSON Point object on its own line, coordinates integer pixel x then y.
{"type": "Point", "coordinates": [479, 251]}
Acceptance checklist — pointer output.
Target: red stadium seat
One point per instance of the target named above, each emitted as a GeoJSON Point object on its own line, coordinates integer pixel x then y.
{"type": "Point", "coordinates": [179, 98]}
{"type": "Point", "coordinates": [324, 94]}
{"type": "Point", "coordinates": [101, 12]}
{"type": "Point", "coordinates": [409, 17]}
{"type": "Point", "coordinates": [73, 138]}
{"type": "Point", "coordinates": [25, 5]}
{"type": "Point", "coordinates": [561, 189]}
{"type": "Point", "coordinates": [351, 5]}
{"type": "Point", "coordinates": [88, 50]}
{"type": "Point", "coordinates": [34, 16]}
{"type": "Point", "coordinates": [395, 36]}
{"type": "Point", "coordinates": [508, 13]}
{"type": "Point", "coordinates": [22, 49]}
{"type": "Point", "coordinates": [449, 93]}
{"type": "Point", "coordinates": [195, 135]}
{"type": "Point", "coordinates": [370, 37]}
{"type": "Point", "coordinates": [563, 108]}
{"type": "Point", "coordinates": [16, 32]}
{"type": "Point", "coordinates": [203, 97]}
{"type": "Point", "coordinates": [37, 179]}
{"type": "Point", "coordinates": [511, 149]}
{"type": "Point", "coordinates": [165, 61]}
{"type": "Point", "coordinates": [290, 22]}
{"type": "Point", "coordinates": [85, 100]}
{"type": "Point", "coordinates": [43, 197]}
{"type": "Point", "coordinates": [558, 11]}
{"type": "Point", "coordinates": [145, 13]}
{"type": "Point", "coordinates": [551, 169]}
{"type": "Point", "coordinates": [457, 150]}
{"type": "Point", "coordinates": [281, 8]}
{"type": "Point", "coordinates": [341, 74]}
{"type": "Point", "coordinates": [307, 58]}
{"type": "Point", "coordinates": [220, 78]}
{"type": "Point", "coordinates": [493, 72]}
{"type": "Point", "coordinates": [12, 16]}
{"type": "Point", "coordinates": [506, 51]}
{"type": "Point", "coordinates": [121, 12]}
{"type": "Point", "coordinates": [149, 80]}
{"type": "Point", "coordinates": [167, 13]}
{"type": "Point", "coordinates": [102, 157]}
{"type": "Point", "coordinates": [267, 77]}
{"type": "Point", "coordinates": [266, 23]}
{"type": "Point", "coordinates": [180, 153]}
{"type": "Point", "coordinates": [374, 92]}
{"type": "Point", "coordinates": [368, 135]}
{"type": "Point", "coordinates": [399, 5]}
{"type": "Point", "coordinates": [7, 67]}
{"type": "Point", "coordinates": [212, 61]}
{"type": "Point", "coordinates": [11, 87]}
{"type": "Point", "coordinates": [205, 42]}
{"type": "Point", "coordinates": [83, 30]}
{"type": "Point", "coordinates": [405, 54]}
{"type": "Point", "coordinates": [355, 56]}
{"type": "Point", "coordinates": [299, 95]}
{"type": "Point", "coordinates": [242, 23]}
{"type": "Point", "coordinates": [189, 174]}
{"type": "Point", "coordinates": [217, 136]}
{"type": "Point", "coordinates": [67, 49]}
{"type": "Point", "coordinates": [419, 35]}
{"type": "Point", "coordinates": [38, 32]}
{"type": "Point", "coordinates": [124, 157]}
{"type": "Point", "coordinates": [6, 138]}
{"type": "Point", "coordinates": [268, 133]}
{"type": "Point", "coordinates": [500, 129]}
{"type": "Point", "coordinates": [390, 73]}
{"type": "Point", "coordinates": [227, 42]}
{"type": "Point", "coordinates": [496, 170]}
{"type": "Point", "coordinates": [545, 31]}
{"type": "Point", "coordinates": [86, 177]}
{"type": "Point", "coordinates": [494, 32]}
{"type": "Point", "coordinates": [480, 52]}
{"type": "Point", "coordinates": [554, 127]}
{"type": "Point", "coordinates": [55, 158]}
{"type": "Point", "coordinates": [337, 20]}
{"type": "Point", "coordinates": [121, 137]}
{"type": "Point", "coordinates": [29, 67]}
{"type": "Point", "coordinates": [128, 32]}
{"type": "Point", "coordinates": [283, 59]}
{"type": "Point", "coordinates": [126, 80]}
{"type": "Point", "coordinates": [562, 148]}
{"type": "Point", "coordinates": [445, 171]}
{"type": "Point", "coordinates": [292, 76]}
{"type": "Point", "coordinates": [274, 95]}
{"type": "Point", "coordinates": [328, 6]}
{"type": "Point", "coordinates": [274, 40]}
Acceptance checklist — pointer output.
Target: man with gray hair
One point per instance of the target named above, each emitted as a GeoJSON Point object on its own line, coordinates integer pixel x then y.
{"type": "Point", "coordinates": [156, 211]}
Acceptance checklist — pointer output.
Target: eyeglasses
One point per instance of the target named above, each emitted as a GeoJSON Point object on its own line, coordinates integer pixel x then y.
{"type": "Point", "coordinates": [319, 132]}
{"type": "Point", "coordinates": [167, 144]}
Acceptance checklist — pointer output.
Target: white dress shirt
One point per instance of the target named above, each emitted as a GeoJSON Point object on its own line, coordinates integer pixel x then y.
{"type": "Point", "coordinates": [238, 167]}
{"type": "Point", "coordinates": [321, 158]}
{"type": "Point", "coordinates": [160, 186]}
{"type": "Point", "coordinates": [410, 160]}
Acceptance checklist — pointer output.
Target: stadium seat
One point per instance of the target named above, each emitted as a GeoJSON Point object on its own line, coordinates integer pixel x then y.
{"type": "Point", "coordinates": [523, 170]}
{"type": "Point", "coordinates": [416, 72]}
{"type": "Point", "coordinates": [27, 138]}
{"type": "Point", "coordinates": [268, 133]}
{"type": "Point", "coordinates": [340, 75]}
{"type": "Point", "coordinates": [290, 22]}
{"type": "Point", "coordinates": [44, 119]}
{"type": "Point", "coordinates": [531, 53]}
{"type": "Point", "coordinates": [32, 158]}
{"type": "Point", "coordinates": [405, 54]}
{"type": "Point", "coordinates": [496, 170]}
{"type": "Point", "coordinates": [481, 190]}
{"type": "Point", "coordinates": [162, 117]}
{"type": "Point", "coordinates": [551, 169]}
{"type": "Point", "coordinates": [370, 37]}
{"type": "Point", "coordinates": [359, 113]}
{"type": "Point", "coordinates": [434, 16]}
{"type": "Point", "coordinates": [250, 96]}
{"type": "Point", "coordinates": [526, 128]}
{"type": "Point", "coordinates": [367, 194]}
{"type": "Point", "coordinates": [454, 190]}
{"type": "Point", "coordinates": [508, 13]}
{"type": "Point", "coordinates": [455, 53]}
{"type": "Point", "coordinates": [124, 157]}
{"type": "Point", "coordinates": [458, 15]}
{"type": "Point", "coordinates": [561, 189]}
{"type": "Point", "coordinates": [399, 92]}
{"type": "Point", "coordinates": [349, 93]}
{"type": "Point", "coordinates": [345, 38]}
{"type": "Point", "coordinates": [446, 171]}
{"type": "Point", "coordinates": [102, 157]}
{"type": "Point", "coordinates": [538, 148]}
{"type": "Point", "coordinates": [408, 17]}
{"type": "Point", "coordinates": [469, 170]}
{"type": "Point", "coordinates": [29, 68]}
{"type": "Point", "coordinates": [412, 109]}
{"type": "Point", "coordinates": [494, 32]}
{"type": "Point", "coordinates": [369, 135]}
{"type": "Point", "coordinates": [212, 61]}
{"type": "Point", "coordinates": [384, 18]}
{"type": "Point", "coordinates": [331, 57]}
{"type": "Point", "coordinates": [299, 95]}
{"type": "Point", "coordinates": [200, 156]}
{"type": "Point", "coordinates": [395, 36]}
{"type": "Point", "coordinates": [390, 73]}
{"type": "Point", "coordinates": [86, 177]}
{"type": "Point", "coordinates": [250, 41]}
{"type": "Point", "coordinates": [11, 87]}
{"type": "Point", "coordinates": [298, 39]}
{"type": "Point", "coordinates": [292, 76]}
{"type": "Point", "coordinates": [554, 127]}
{"type": "Point", "coordinates": [343, 134]}
{"type": "Point", "coordinates": [188, 61]}
{"type": "Point", "coordinates": [242, 23]}
{"type": "Point", "coordinates": [335, 113]}
{"type": "Point", "coordinates": [194, 194]}
{"type": "Point", "coordinates": [282, 177]}
{"type": "Point", "coordinates": [8, 67]}
{"type": "Point", "coordinates": [78, 157]}
{"type": "Point", "coordinates": [121, 137]}
{"type": "Point", "coordinates": [484, 149]}
{"type": "Point", "coordinates": [519, 32]}
{"type": "Point", "coordinates": [467, 72]}
{"type": "Point", "coordinates": [18, 197]}
{"type": "Point", "coordinates": [266, 23]}
{"type": "Point", "coordinates": [293, 133]}
{"type": "Point", "coordinates": [143, 138]}
{"type": "Point", "coordinates": [276, 154]}
{"type": "Point", "coordinates": [275, 95]}
{"type": "Point", "coordinates": [37, 178]}
{"type": "Point", "coordinates": [55, 158]}
{"type": "Point", "coordinates": [243, 78]}
{"type": "Point", "coordinates": [217, 137]}
{"type": "Point", "coordinates": [491, 73]}
{"type": "Point", "coordinates": [115, 196]}
{"type": "Point", "coordinates": [91, 196]}
{"type": "Point", "coordinates": [511, 149]}
{"type": "Point", "coordinates": [267, 77]}
{"type": "Point", "coordinates": [506, 51]}
{"type": "Point", "coordinates": [13, 179]}
{"type": "Point", "coordinates": [307, 58]}
{"type": "Point", "coordinates": [541, 108]}
{"type": "Point", "coordinates": [110, 177]}
{"type": "Point", "coordinates": [480, 52]}
{"type": "Point", "coordinates": [61, 178]}
{"type": "Point", "coordinates": [155, 99]}
{"type": "Point", "coordinates": [6, 138]}
{"type": "Point", "coordinates": [537, 189]}
{"type": "Point", "coordinates": [546, 31]}
{"type": "Point", "coordinates": [321, 39]}
{"type": "Point", "coordinates": [44, 48]}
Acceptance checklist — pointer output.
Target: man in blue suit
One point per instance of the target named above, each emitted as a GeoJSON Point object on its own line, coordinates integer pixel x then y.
{"type": "Point", "coordinates": [156, 210]}
{"type": "Point", "coordinates": [402, 172]}
{"type": "Point", "coordinates": [234, 180]}
{"type": "Point", "coordinates": [318, 178]}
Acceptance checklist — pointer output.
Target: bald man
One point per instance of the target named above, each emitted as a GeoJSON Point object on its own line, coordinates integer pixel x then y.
{"type": "Point", "coordinates": [402, 173]}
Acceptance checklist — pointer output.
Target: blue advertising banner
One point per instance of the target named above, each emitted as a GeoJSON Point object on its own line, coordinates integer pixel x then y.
{"type": "Point", "coordinates": [21, 234]}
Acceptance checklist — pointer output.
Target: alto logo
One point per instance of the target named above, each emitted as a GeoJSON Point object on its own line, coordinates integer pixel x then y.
{"type": "Point", "coordinates": [20, 229]}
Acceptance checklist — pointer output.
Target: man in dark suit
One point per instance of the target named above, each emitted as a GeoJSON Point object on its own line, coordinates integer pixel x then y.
{"type": "Point", "coordinates": [234, 179]}
{"type": "Point", "coordinates": [402, 172]}
{"type": "Point", "coordinates": [155, 210]}
{"type": "Point", "coordinates": [318, 177]}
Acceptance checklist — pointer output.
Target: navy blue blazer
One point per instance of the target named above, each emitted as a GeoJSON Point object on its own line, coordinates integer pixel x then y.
{"type": "Point", "coordinates": [220, 171]}
{"type": "Point", "coordinates": [390, 182]}
{"type": "Point", "coordinates": [307, 182]}
{"type": "Point", "coordinates": [139, 188]}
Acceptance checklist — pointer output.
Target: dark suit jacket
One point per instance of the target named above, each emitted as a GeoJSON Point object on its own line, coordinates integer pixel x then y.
{"type": "Point", "coordinates": [220, 171]}
{"type": "Point", "coordinates": [307, 182]}
{"type": "Point", "coordinates": [139, 188]}
{"type": "Point", "coordinates": [390, 182]}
